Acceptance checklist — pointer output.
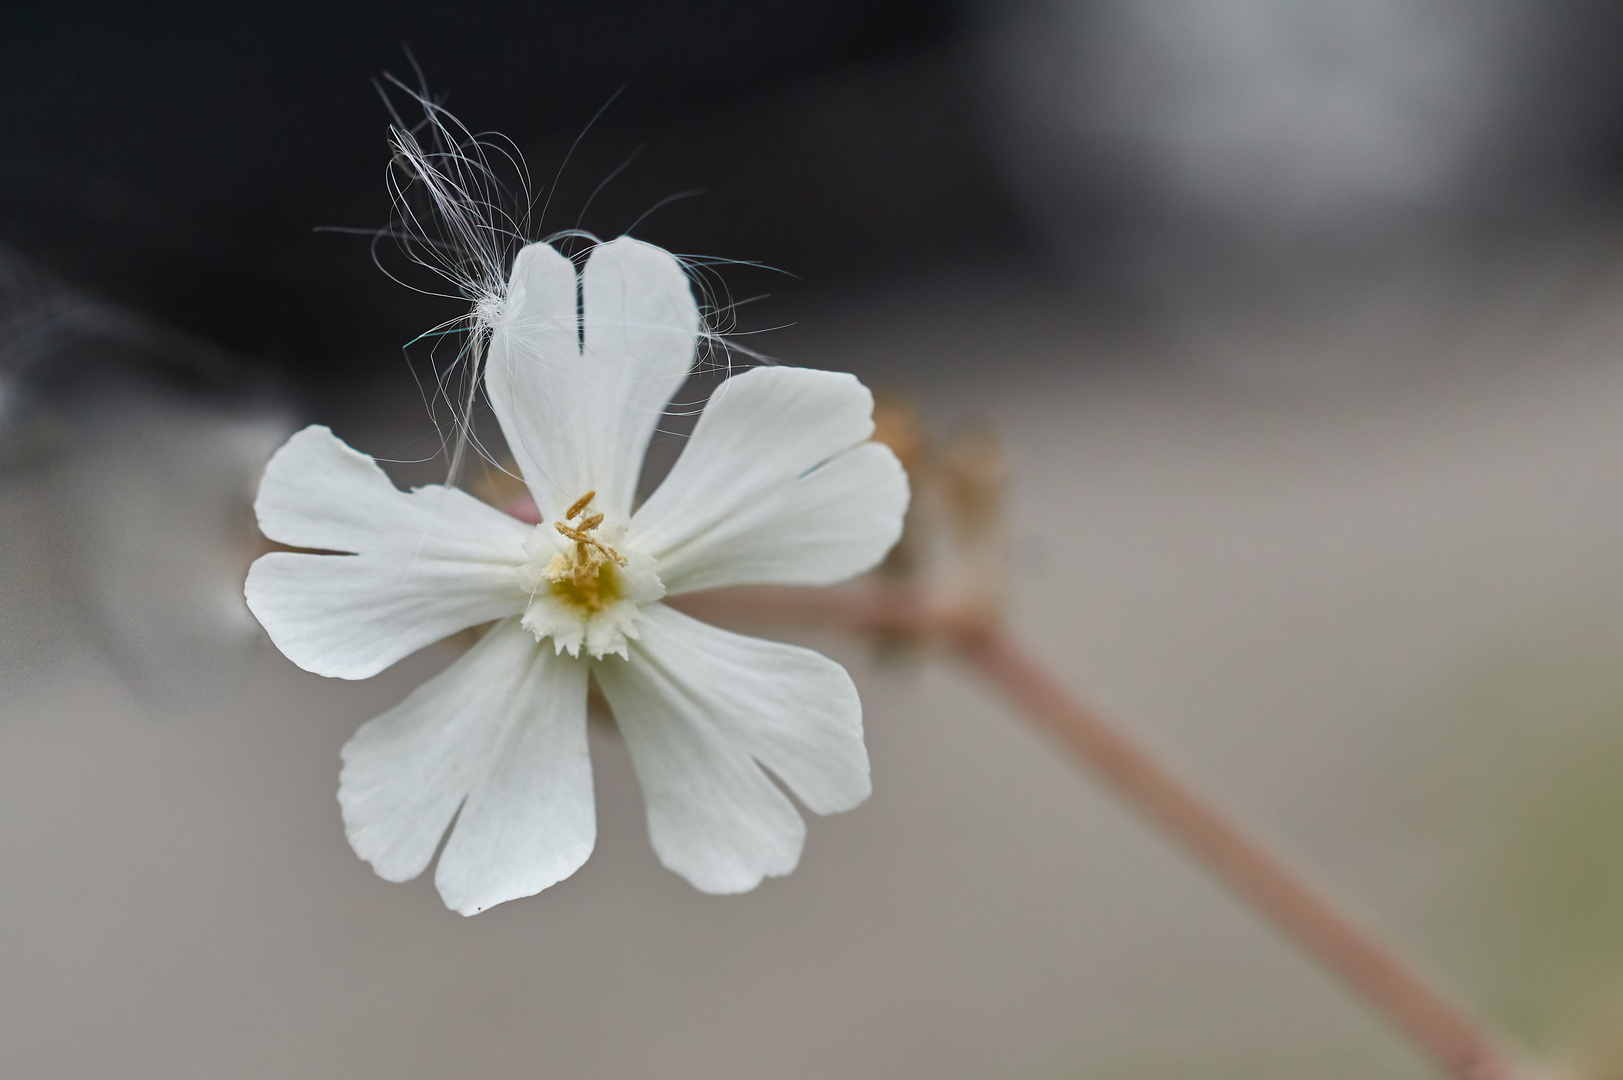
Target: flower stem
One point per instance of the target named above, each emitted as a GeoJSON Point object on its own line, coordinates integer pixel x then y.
{"type": "Point", "coordinates": [1267, 881]}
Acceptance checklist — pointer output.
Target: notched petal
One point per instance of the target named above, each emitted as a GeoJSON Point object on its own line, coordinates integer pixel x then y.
{"type": "Point", "coordinates": [777, 485]}
{"type": "Point", "coordinates": [702, 711]}
{"type": "Point", "coordinates": [499, 735]}
{"type": "Point", "coordinates": [578, 411]}
{"type": "Point", "coordinates": [422, 565]}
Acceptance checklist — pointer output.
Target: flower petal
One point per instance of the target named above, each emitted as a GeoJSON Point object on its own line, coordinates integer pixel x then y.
{"type": "Point", "coordinates": [776, 485]}
{"type": "Point", "coordinates": [407, 771]}
{"type": "Point", "coordinates": [530, 822]}
{"type": "Point", "coordinates": [534, 374]}
{"type": "Point", "coordinates": [702, 711]}
{"type": "Point", "coordinates": [580, 421]}
{"type": "Point", "coordinates": [427, 563]}
{"type": "Point", "coordinates": [500, 733]}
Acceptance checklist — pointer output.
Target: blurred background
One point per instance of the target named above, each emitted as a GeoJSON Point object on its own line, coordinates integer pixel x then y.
{"type": "Point", "coordinates": [1301, 323]}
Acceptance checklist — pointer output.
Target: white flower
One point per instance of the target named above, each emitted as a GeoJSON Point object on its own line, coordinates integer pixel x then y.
{"type": "Point", "coordinates": [778, 483]}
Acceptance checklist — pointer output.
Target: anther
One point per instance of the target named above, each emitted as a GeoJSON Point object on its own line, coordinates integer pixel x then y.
{"type": "Point", "coordinates": [581, 504]}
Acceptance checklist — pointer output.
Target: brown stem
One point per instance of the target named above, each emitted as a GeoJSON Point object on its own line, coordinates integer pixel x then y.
{"type": "Point", "coordinates": [1273, 887]}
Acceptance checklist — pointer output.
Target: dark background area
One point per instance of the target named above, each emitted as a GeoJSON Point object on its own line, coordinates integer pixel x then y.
{"type": "Point", "coordinates": [179, 158]}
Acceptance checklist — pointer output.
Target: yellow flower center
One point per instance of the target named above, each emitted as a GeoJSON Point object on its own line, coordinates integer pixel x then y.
{"type": "Point", "coordinates": [585, 577]}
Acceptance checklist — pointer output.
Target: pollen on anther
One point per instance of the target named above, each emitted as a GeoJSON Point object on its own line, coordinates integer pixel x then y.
{"type": "Point", "coordinates": [579, 505]}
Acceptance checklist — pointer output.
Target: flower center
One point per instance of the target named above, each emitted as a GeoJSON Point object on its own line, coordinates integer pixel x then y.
{"type": "Point", "coordinates": [584, 576]}
{"type": "Point", "coordinates": [583, 593]}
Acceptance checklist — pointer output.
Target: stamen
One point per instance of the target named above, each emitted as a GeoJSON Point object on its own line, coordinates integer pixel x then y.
{"type": "Point", "coordinates": [581, 504]}
{"type": "Point", "coordinates": [587, 562]}
{"type": "Point", "coordinates": [582, 537]}
{"type": "Point", "coordinates": [582, 576]}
